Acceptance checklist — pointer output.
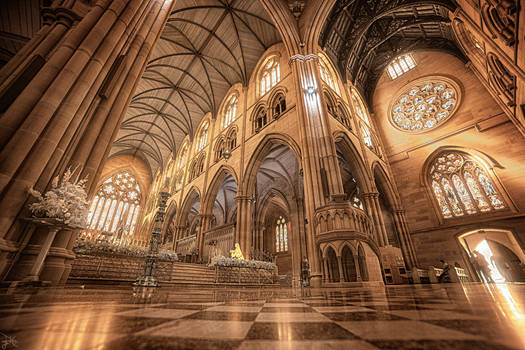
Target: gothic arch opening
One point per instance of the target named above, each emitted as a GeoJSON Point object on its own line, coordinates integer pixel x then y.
{"type": "Point", "coordinates": [498, 250]}
{"type": "Point", "coordinates": [348, 265]}
{"type": "Point", "coordinates": [277, 209]}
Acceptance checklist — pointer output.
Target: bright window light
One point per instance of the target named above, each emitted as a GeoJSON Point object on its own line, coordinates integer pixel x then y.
{"type": "Point", "coordinates": [400, 65]}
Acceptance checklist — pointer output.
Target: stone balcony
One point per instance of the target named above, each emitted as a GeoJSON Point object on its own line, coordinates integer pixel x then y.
{"type": "Point", "coordinates": [342, 221]}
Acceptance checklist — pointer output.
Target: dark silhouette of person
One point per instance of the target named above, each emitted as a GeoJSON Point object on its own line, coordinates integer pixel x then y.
{"type": "Point", "coordinates": [445, 275]}
{"type": "Point", "coordinates": [483, 266]}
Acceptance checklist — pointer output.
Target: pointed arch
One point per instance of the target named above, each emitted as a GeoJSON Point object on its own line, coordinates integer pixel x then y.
{"type": "Point", "coordinates": [462, 183]}
{"type": "Point", "coordinates": [262, 150]}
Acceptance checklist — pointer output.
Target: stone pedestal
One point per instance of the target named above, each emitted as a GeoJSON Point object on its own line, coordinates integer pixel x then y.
{"type": "Point", "coordinates": [44, 257]}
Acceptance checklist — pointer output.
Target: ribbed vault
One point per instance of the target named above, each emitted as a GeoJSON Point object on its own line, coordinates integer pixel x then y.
{"type": "Point", "coordinates": [362, 36]}
{"type": "Point", "coordinates": [206, 47]}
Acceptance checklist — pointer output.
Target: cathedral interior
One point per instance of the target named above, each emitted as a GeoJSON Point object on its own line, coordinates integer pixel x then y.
{"type": "Point", "coordinates": [262, 174]}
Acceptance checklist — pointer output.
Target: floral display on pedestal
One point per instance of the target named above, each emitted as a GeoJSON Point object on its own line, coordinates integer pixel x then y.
{"type": "Point", "coordinates": [65, 202]}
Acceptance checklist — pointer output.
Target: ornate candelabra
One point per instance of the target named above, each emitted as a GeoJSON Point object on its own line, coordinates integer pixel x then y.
{"type": "Point", "coordinates": [148, 278]}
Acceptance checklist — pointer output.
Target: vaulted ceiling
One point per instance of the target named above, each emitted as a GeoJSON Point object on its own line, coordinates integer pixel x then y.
{"type": "Point", "coordinates": [206, 47]}
{"type": "Point", "coordinates": [363, 36]}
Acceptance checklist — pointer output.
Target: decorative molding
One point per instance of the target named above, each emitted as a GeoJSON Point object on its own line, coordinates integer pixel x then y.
{"type": "Point", "coordinates": [303, 58]}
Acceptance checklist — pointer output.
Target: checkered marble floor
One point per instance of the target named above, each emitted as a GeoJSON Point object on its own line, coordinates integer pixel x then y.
{"type": "Point", "coordinates": [472, 316]}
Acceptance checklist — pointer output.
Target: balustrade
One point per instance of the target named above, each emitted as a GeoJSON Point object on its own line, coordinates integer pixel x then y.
{"type": "Point", "coordinates": [185, 245]}
{"type": "Point", "coordinates": [343, 217]}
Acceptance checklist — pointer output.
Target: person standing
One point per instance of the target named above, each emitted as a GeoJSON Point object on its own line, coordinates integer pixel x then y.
{"type": "Point", "coordinates": [483, 266]}
{"type": "Point", "coordinates": [305, 272]}
{"type": "Point", "coordinates": [445, 275]}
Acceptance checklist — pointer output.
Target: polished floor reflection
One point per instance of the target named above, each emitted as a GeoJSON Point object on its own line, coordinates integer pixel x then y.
{"type": "Point", "coordinates": [471, 316]}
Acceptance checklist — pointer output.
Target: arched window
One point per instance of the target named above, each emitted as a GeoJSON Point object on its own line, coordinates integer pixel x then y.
{"type": "Point", "coordinates": [326, 75]}
{"type": "Point", "coordinates": [500, 18]}
{"type": "Point", "coordinates": [281, 235]}
{"type": "Point", "coordinates": [400, 65]}
{"type": "Point", "coordinates": [461, 185]}
{"type": "Point", "coordinates": [330, 104]}
{"type": "Point", "coordinates": [219, 149]}
{"type": "Point", "coordinates": [270, 75]}
{"type": "Point", "coordinates": [203, 138]}
{"type": "Point", "coordinates": [360, 108]}
{"type": "Point", "coordinates": [232, 139]}
{"type": "Point", "coordinates": [342, 116]}
{"type": "Point", "coordinates": [201, 164]}
{"type": "Point", "coordinates": [261, 119]}
{"type": "Point", "coordinates": [279, 106]}
{"type": "Point", "coordinates": [183, 156]}
{"type": "Point", "coordinates": [230, 111]}
{"type": "Point", "coordinates": [116, 205]}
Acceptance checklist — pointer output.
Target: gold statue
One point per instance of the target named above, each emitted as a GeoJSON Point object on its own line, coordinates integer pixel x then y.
{"type": "Point", "coordinates": [237, 253]}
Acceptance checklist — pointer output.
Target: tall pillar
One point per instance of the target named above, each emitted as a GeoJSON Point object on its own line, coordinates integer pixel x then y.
{"type": "Point", "coordinates": [89, 70]}
{"type": "Point", "coordinates": [340, 266]}
{"type": "Point", "coordinates": [371, 209]}
{"type": "Point", "coordinates": [406, 241]}
{"type": "Point", "coordinates": [243, 229]}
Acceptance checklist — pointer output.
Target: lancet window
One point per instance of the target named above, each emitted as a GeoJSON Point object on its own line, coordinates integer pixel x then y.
{"type": "Point", "coordinates": [281, 235]}
{"type": "Point", "coordinates": [230, 111]}
{"type": "Point", "coordinates": [270, 75]}
{"type": "Point", "coordinates": [461, 186]}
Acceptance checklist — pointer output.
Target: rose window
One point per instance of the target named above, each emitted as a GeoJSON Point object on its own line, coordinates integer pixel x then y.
{"type": "Point", "coordinates": [424, 105]}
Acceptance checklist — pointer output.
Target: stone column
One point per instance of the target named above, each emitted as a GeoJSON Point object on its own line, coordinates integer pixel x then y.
{"type": "Point", "coordinates": [326, 275]}
{"type": "Point", "coordinates": [357, 268]}
{"type": "Point", "coordinates": [243, 229]}
{"type": "Point", "coordinates": [340, 266]}
{"type": "Point", "coordinates": [372, 214]}
{"type": "Point", "coordinates": [406, 241]}
{"type": "Point", "coordinates": [46, 120]}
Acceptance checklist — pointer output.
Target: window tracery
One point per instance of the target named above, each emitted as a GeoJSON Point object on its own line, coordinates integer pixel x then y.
{"type": "Point", "coordinates": [281, 235]}
{"type": "Point", "coordinates": [424, 105]}
{"type": "Point", "coordinates": [219, 150]}
{"type": "Point", "coordinates": [231, 111]}
{"type": "Point", "coordinates": [116, 205]}
{"type": "Point", "coordinates": [261, 119]}
{"type": "Point", "coordinates": [461, 186]}
{"type": "Point", "coordinates": [270, 75]}
{"type": "Point", "coordinates": [279, 106]}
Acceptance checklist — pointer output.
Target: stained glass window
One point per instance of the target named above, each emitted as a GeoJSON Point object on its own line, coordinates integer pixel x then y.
{"type": "Point", "coordinates": [461, 186]}
{"type": "Point", "coordinates": [400, 65]}
{"type": "Point", "coordinates": [281, 235]}
{"type": "Point", "coordinates": [424, 105]}
{"type": "Point", "coordinates": [231, 111]}
{"type": "Point", "coordinates": [109, 209]}
{"type": "Point", "coordinates": [270, 75]}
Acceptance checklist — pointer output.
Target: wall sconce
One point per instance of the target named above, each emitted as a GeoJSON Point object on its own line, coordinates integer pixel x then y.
{"type": "Point", "coordinates": [310, 90]}
{"type": "Point", "coordinates": [227, 154]}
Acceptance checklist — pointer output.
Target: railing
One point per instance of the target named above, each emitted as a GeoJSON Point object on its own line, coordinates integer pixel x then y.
{"type": "Point", "coordinates": [218, 241]}
{"type": "Point", "coordinates": [91, 235]}
{"type": "Point", "coordinates": [185, 245]}
{"type": "Point", "coordinates": [343, 217]}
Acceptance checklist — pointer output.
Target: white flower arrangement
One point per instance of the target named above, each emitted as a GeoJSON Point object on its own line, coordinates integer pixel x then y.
{"type": "Point", "coordinates": [65, 202]}
{"type": "Point", "coordinates": [109, 248]}
{"type": "Point", "coordinates": [232, 262]}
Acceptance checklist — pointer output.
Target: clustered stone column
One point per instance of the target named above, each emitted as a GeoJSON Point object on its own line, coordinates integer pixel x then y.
{"type": "Point", "coordinates": [243, 227]}
{"type": "Point", "coordinates": [70, 110]}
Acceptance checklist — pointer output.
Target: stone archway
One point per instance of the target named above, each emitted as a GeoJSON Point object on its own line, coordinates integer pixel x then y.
{"type": "Point", "coordinates": [501, 250]}
{"type": "Point", "coordinates": [348, 265]}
